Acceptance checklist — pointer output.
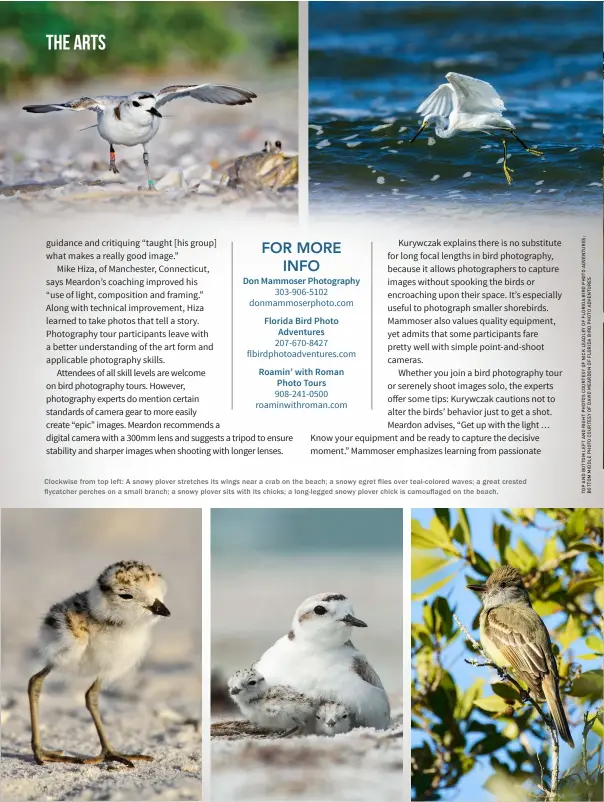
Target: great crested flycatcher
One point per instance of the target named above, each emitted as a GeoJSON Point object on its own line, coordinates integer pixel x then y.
{"type": "Point", "coordinates": [514, 636]}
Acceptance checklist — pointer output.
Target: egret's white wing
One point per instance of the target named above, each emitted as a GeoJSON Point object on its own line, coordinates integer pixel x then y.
{"type": "Point", "coordinates": [473, 96]}
{"type": "Point", "coordinates": [439, 102]}
{"type": "Point", "coordinates": [208, 93]}
{"type": "Point", "coordinates": [81, 104]}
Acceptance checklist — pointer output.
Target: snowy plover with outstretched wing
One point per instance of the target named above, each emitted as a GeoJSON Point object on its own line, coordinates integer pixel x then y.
{"type": "Point", "coordinates": [100, 633]}
{"type": "Point", "coordinates": [332, 718]}
{"type": "Point", "coordinates": [277, 708]}
{"type": "Point", "coordinates": [318, 659]}
{"type": "Point", "coordinates": [134, 119]}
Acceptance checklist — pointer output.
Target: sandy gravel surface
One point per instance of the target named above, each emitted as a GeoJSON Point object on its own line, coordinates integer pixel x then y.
{"type": "Point", "coordinates": [354, 767]}
{"type": "Point", "coordinates": [47, 162]}
{"type": "Point", "coordinates": [47, 555]}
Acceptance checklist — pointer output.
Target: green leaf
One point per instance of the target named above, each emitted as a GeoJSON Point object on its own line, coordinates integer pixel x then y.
{"type": "Point", "coordinates": [588, 685]}
{"type": "Point", "coordinates": [444, 516]}
{"type": "Point", "coordinates": [506, 691]}
{"type": "Point", "coordinates": [443, 616]}
{"type": "Point", "coordinates": [432, 589]}
{"type": "Point", "coordinates": [575, 524]}
{"type": "Point", "coordinates": [550, 550]}
{"type": "Point", "coordinates": [595, 644]}
{"type": "Point", "coordinates": [492, 704]}
{"type": "Point", "coordinates": [465, 704]}
{"type": "Point", "coordinates": [544, 608]}
{"type": "Point", "coordinates": [570, 633]}
{"type": "Point", "coordinates": [584, 586]}
{"type": "Point", "coordinates": [430, 539]}
{"type": "Point", "coordinates": [599, 597]}
{"type": "Point", "coordinates": [424, 564]}
{"type": "Point", "coordinates": [489, 744]}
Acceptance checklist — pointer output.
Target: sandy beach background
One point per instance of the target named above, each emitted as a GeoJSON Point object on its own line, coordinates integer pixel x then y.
{"type": "Point", "coordinates": [46, 556]}
{"type": "Point", "coordinates": [264, 564]}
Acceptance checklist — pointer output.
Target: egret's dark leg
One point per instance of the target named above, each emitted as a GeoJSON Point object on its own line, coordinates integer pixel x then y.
{"type": "Point", "coordinates": [112, 166]}
{"type": "Point", "coordinates": [421, 128]}
{"type": "Point", "coordinates": [507, 171]}
{"type": "Point", "coordinates": [534, 151]}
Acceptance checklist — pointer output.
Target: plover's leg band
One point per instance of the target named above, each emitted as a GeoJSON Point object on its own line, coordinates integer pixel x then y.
{"type": "Point", "coordinates": [150, 181]}
{"type": "Point", "coordinates": [112, 166]}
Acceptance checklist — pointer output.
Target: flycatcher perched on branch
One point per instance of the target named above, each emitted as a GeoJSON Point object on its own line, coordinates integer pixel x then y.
{"type": "Point", "coordinates": [514, 636]}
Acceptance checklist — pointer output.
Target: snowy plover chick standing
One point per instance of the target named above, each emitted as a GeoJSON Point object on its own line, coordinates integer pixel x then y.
{"type": "Point", "coordinates": [276, 708]}
{"type": "Point", "coordinates": [333, 718]}
{"type": "Point", "coordinates": [318, 659]}
{"type": "Point", "coordinates": [101, 633]}
{"type": "Point", "coordinates": [134, 119]}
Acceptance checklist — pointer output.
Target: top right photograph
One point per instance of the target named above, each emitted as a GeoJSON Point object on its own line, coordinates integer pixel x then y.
{"type": "Point", "coordinates": [455, 108]}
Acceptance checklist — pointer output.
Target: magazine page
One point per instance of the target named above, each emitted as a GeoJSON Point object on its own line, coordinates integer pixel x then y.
{"type": "Point", "coordinates": [298, 272]}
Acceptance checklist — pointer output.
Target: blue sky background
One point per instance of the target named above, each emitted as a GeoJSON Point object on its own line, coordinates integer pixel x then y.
{"type": "Point", "coordinates": [465, 603]}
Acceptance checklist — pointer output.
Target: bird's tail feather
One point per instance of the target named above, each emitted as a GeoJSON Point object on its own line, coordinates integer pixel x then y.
{"type": "Point", "coordinates": [554, 702]}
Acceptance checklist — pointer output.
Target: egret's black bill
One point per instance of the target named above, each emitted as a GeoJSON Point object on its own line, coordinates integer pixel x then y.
{"type": "Point", "coordinates": [421, 128]}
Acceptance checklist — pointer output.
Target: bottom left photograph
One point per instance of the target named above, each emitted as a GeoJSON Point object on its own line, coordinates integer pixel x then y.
{"type": "Point", "coordinates": [101, 653]}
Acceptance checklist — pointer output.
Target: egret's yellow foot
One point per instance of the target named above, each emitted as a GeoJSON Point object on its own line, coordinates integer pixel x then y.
{"type": "Point", "coordinates": [507, 172]}
{"type": "Point", "coordinates": [535, 152]}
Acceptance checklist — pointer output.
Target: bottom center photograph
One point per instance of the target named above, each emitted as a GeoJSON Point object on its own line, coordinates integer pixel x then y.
{"type": "Point", "coordinates": [307, 654]}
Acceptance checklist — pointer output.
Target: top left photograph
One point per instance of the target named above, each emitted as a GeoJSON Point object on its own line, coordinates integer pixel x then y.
{"type": "Point", "coordinates": [163, 106]}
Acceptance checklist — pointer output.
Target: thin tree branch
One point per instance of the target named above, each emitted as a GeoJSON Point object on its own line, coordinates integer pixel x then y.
{"type": "Point", "coordinates": [552, 794]}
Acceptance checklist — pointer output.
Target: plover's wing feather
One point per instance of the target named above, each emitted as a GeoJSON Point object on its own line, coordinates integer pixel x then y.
{"type": "Point", "coordinates": [208, 93]}
{"type": "Point", "coordinates": [361, 667]}
{"type": "Point", "coordinates": [80, 104]}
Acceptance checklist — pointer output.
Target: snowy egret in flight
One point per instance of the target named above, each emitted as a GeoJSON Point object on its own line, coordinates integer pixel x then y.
{"type": "Point", "coordinates": [468, 104]}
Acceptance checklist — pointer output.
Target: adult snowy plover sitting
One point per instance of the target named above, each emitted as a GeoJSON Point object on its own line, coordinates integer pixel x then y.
{"type": "Point", "coordinates": [134, 119]}
{"type": "Point", "coordinates": [318, 659]}
{"type": "Point", "coordinates": [101, 633]}
{"type": "Point", "coordinates": [276, 708]}
{"type": "Point", "coordinates": [333, 718]}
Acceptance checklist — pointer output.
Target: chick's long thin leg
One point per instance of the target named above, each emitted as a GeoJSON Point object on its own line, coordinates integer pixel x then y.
{"type": "Point", "coordinates": [108, 753]}
{"type": "Point", "coordinates": [34, 689]}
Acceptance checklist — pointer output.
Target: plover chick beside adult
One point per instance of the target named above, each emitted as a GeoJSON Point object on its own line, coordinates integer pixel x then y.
{"type": "Point", "coordinates": [134, 119]}
{"type": "Point", "coordinates": [277, 708]}
{"type": "Point", "coordinates": [317, 658]}
{"type": "Point", "coordinates": [100, 633]}
{"type": "Point", "coordinates": [332, 718]}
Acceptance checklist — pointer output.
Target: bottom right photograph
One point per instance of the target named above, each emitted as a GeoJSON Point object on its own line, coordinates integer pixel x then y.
{"type": "Point", "coordinates": [507, 651]}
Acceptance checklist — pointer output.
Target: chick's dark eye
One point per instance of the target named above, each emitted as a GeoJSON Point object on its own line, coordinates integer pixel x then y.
{"type": "Point", "coordinates": [320, 610]}
{"type": "Point", "coordinates": [252, 682]}
{"type": "Point", "coordinates": [135, 103]}
{"type": "Point", "coordinates": [125, 595]}
{"type": "Point", "coordinates": [345, 715]}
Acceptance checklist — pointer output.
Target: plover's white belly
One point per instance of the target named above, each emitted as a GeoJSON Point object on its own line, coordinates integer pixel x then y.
{"type": "Point", "coordinates": [113, 651]}
{"type": "Point", "coordinates": [326, 674]}
{"type": "Point", "coordinates": [124, 132]}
